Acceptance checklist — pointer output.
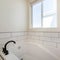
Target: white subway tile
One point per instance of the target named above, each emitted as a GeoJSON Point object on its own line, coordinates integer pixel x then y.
{"type": "Point", "coordinates": [4, 35]}
{"type": "Point", "coordinates": [58, 45]}
{"type": "Point", "coordinates": [50, 34]}
{"type": "Point", "coordinates": [51, 44]}
{"type": "Point", "coordinates": [58, 40]}
{"type": "Point", "coordinates": [18, 34]}
{"type": "Point", "coordinates": [59, 35]}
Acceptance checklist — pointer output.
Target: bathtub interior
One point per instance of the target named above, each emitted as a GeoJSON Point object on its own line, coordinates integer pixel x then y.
{"type": "Point", "coordinates": [10, 56]}
{"type": "Point", "coordinates": [31, 51]}
{"type": "Point", "coordinates": [34, 51]}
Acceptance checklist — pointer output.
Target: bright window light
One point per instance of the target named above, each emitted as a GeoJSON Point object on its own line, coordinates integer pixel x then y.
{"type": "Point", "coordinates": [44, 14]}
{"type": "Point", "coordinates": [36, 15]}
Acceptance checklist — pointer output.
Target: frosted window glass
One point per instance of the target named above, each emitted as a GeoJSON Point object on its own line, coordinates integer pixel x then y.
{"type": "Point", "coordinates": [50, 21]}
{"type": "Point", "coordinates": [49, 13]}
{"type": "Point", "coordinates": [36, 15]}
{"type": "Point", "coordinates": [49, 7]}
{"type": "Point", "coordinates": [44, 14]}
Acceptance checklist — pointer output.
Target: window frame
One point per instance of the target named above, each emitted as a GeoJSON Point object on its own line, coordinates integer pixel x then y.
{"type": "Point", "coordinates": [31, 21]}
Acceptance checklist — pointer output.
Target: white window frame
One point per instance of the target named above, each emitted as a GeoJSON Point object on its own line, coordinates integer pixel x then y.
{"type": "Point", "coordinates": [30, 21]}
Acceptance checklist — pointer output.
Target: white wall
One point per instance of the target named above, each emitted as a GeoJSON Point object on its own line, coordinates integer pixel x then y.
{"type": "Point", "coordinates": [13, 15]}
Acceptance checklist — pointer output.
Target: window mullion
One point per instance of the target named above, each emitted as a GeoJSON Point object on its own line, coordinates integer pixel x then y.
{"type": "Point", "coordinates": [42, 14]}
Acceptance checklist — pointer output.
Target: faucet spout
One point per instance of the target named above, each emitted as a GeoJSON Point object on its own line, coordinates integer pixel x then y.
{"type": "Point", "coordinates": [5, 51]}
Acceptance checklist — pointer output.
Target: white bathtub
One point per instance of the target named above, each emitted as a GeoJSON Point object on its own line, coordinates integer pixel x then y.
{"type": "Point", "coordinates": [10, 56]}
{"type": "Point", "coordinates": [34, 51]}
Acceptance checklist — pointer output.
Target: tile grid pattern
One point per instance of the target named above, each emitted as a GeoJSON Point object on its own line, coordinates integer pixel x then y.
{"type": "Point", "coordinates": [51, 39]}
{"type": "Point", "coordinates": [16, 36]}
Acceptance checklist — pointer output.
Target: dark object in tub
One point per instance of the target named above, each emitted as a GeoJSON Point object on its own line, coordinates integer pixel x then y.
{"type": "Point", "coordinates": [5, 51]}
{"type": "Point", "coordinates": [21, 58]}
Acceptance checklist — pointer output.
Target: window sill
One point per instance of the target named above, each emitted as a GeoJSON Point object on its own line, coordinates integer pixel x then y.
{"type": "Point", "coordinates": [45, 29]}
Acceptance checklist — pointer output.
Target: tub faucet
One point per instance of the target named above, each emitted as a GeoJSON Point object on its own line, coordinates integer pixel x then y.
{"type": "Point", "coordinates": [5, 51]}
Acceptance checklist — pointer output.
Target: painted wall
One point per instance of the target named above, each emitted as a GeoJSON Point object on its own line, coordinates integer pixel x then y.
{"type": "Point", "coordinates": [13, 15]}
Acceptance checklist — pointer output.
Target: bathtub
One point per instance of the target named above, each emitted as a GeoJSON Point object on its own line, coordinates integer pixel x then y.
{"type": "Point", "coordinates": [10, 56]}
{"type": "Point", "coordinates": [35, 51]}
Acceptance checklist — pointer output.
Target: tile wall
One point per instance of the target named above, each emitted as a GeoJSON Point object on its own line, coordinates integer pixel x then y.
{"type": "Point", "coordinates": [51, 39]}
{"type": "Point", "coordinates": [16, 36]}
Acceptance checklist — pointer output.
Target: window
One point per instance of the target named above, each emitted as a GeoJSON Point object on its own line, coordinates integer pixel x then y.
{"type": "Point", "coordinates": [44, 14]}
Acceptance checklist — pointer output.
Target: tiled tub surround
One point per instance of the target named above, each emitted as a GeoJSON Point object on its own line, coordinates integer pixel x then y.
{"type": "Point", "coordinates": [50, 40]}
{"type": "Point", "coordinates": [6, 36]}
{"type": "Point", "coordinates": [45, 38]}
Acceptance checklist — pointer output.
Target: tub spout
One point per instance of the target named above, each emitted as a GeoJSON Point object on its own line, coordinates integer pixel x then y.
{"type": "Point", "coordinates": [5, 51]}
